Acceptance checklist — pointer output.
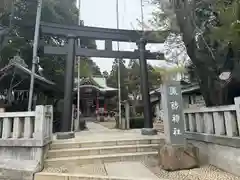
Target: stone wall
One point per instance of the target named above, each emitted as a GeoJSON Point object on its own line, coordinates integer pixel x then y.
{"type": "Point", "coordinates": [24, 141]}
{"type": "Point", "coordinates": [216, 132]}
{"type": "Point", "coordinates": [223, 157]}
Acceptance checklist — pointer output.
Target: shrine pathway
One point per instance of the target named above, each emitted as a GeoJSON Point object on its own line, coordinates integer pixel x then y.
{"type": "Point", "coordinates": [94, 127]}
{"type": "Point", "coordinates": [144, 170]}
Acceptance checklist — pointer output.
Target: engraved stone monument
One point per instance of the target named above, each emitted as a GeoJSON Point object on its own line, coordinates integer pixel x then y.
{"type": "Point", "coordinates": [173, 112]}
{"type": "Point", "coordinates": [175, 154]}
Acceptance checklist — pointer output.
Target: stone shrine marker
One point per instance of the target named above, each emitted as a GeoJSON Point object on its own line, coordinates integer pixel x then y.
{"type": "Point", "coordinates": [173, 112]}
{"type": "Point", "coordinates": [174, 155]}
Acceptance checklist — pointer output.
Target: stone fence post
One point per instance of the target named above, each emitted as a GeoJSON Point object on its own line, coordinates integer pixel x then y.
{"type": "Point", "coordinates": [237, 105]}
{"type": "Point", "coordinates": [39, 122]}
{"type": "Point", "coordinates": [43, 123]}
{"type": "Point", "coordinates": [49, 121]}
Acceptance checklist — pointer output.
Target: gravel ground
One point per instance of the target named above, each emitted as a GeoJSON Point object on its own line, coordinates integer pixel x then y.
{"type": "Point", "coordinates": [207, 172]}
{"type": "Point", "coordinates": [203, 173]}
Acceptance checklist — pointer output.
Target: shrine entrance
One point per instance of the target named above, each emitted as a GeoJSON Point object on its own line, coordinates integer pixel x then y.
{"type": "Point", "coordinates": [71, 50]}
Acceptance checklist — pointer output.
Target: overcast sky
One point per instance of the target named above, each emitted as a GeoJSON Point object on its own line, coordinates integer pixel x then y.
{"type": "Point", "coordinates": [102, 13]}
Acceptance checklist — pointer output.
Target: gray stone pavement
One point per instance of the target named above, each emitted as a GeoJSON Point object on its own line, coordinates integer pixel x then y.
{"type": "Point", "coordinates": [128, 170]}
{"type": "Point", "coordinates": [94, 127]}
{"type": "Point", "coordinates": [136, 170]}
{"type": "Point", "coordinates": [97, 132]}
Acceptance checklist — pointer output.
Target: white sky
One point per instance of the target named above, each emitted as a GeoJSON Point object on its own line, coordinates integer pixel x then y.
{"type": "Point", "coordinates": [102, 13]}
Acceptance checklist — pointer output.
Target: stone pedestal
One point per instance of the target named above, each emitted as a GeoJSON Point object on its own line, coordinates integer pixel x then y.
{"type": "Point", "coordinates": [148, 131]}
{"type": "Point", "coordinates": [178, 157]}
{"type": "Point", "coordinates": [65, 135]}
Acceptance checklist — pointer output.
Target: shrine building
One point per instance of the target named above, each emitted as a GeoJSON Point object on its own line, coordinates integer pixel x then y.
{"type": "Point", "coordinates": [95, 96]}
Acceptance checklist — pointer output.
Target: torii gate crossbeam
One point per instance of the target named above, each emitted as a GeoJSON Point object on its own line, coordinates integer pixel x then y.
{"type": "Point", "coordinates": [98, 33]}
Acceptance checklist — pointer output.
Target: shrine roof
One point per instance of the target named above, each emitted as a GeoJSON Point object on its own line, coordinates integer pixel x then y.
{"type": "Point", "coordinates": [190, 89]}
{"type": "Point", "coordinates": [25, 70]}
{"type": "Point", "coordinates": [95, 82]}
{"type": "Point", "coordinates": [21, 69]}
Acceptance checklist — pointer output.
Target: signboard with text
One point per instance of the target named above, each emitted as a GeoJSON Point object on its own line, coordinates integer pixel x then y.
{"type": "Point", "coordinates": [173, 112]}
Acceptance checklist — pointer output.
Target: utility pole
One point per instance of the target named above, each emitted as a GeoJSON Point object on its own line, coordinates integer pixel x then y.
{"type": "Point", "coordinates": [78, 64]}
{"type": "Point", "coordinates": [119, 73]}
{"type": "Point", "coordinates": [142, 16]}
{"type": "Point", "coordinates": [35, 57]}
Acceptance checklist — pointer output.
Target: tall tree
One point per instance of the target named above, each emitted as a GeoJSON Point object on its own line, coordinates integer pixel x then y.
{"type": "Point", "coordinates": [105, 74]}
{"type": "Point", "coordinates": [210, 33]}
{"type": "Point", "coordinates": [113, 77]}
{"type": "Point", "coordinates": [22, 32]}
{"type": "Point", "coordinates": [88, 68]}
{"type": "Point", "coordinates": [134, 78]}
{"type": "Point", "coordinates": [130, 78]}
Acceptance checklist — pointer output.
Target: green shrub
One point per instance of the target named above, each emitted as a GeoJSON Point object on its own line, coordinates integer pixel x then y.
{"type": "Point", "coordinates": [136, 122]}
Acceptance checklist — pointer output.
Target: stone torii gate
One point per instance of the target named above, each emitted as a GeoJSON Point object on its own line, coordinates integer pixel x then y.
{"type": "Point", "coordinates": [74, 32]}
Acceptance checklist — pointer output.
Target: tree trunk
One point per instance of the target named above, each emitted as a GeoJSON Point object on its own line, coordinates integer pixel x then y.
{"type": "Point", "coordinates": [212, 91]}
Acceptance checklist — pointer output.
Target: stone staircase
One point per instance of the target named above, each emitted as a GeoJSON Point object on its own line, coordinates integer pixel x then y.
{"type": "Point", "coordinates": [88, 160]}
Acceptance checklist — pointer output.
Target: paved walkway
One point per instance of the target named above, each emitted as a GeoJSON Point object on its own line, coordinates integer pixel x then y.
{"type": "Point", "coordinates": [95, 128]}
{"type": "Point", "coordinates": [122, 170]}
{"type": "Point", "coordinates": [125, 170]}
{"type": "Point", "coordinates": [133, 170]}
{"type": "Point", "coordinates": [97, 132]}
{"type": "Point", "coordinates": [138, 170]}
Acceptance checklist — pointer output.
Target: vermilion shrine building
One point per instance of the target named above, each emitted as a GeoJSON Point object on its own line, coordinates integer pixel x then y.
{"type": "Point", "coordinates": [95, 96]}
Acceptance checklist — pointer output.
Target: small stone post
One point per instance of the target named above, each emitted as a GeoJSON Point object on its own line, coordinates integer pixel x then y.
{"type": "Point", "coordinates": [237, 105]}
{"type": "Point", "coordinates": [174, 155]}
{"type": "Point", "coordinates": [123, 123]}
{"type": "Point", "coordinates": [49, 110]}
{"type": "Point", "coordinates": [39, 123]}
{"type": "Point", "coordinates": [127, 115]}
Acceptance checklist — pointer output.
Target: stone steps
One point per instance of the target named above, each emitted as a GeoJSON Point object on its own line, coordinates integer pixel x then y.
{"type": "Point", "coordinates": [79, 159]}
{"type": "Point", "coordinates": [91, 144]}
{"type": "Point", "coordinates": [96, 159]}
{"type": "Point", "coordinates": [59, 153]}
{"type": "Point", "coordinates": [66, 176]}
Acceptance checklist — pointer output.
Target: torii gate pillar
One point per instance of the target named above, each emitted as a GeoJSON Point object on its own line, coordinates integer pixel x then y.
{"type": "Point", "coordinates": [148, 118]}
{"type": "Point", "coordinates": [68, 86]}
